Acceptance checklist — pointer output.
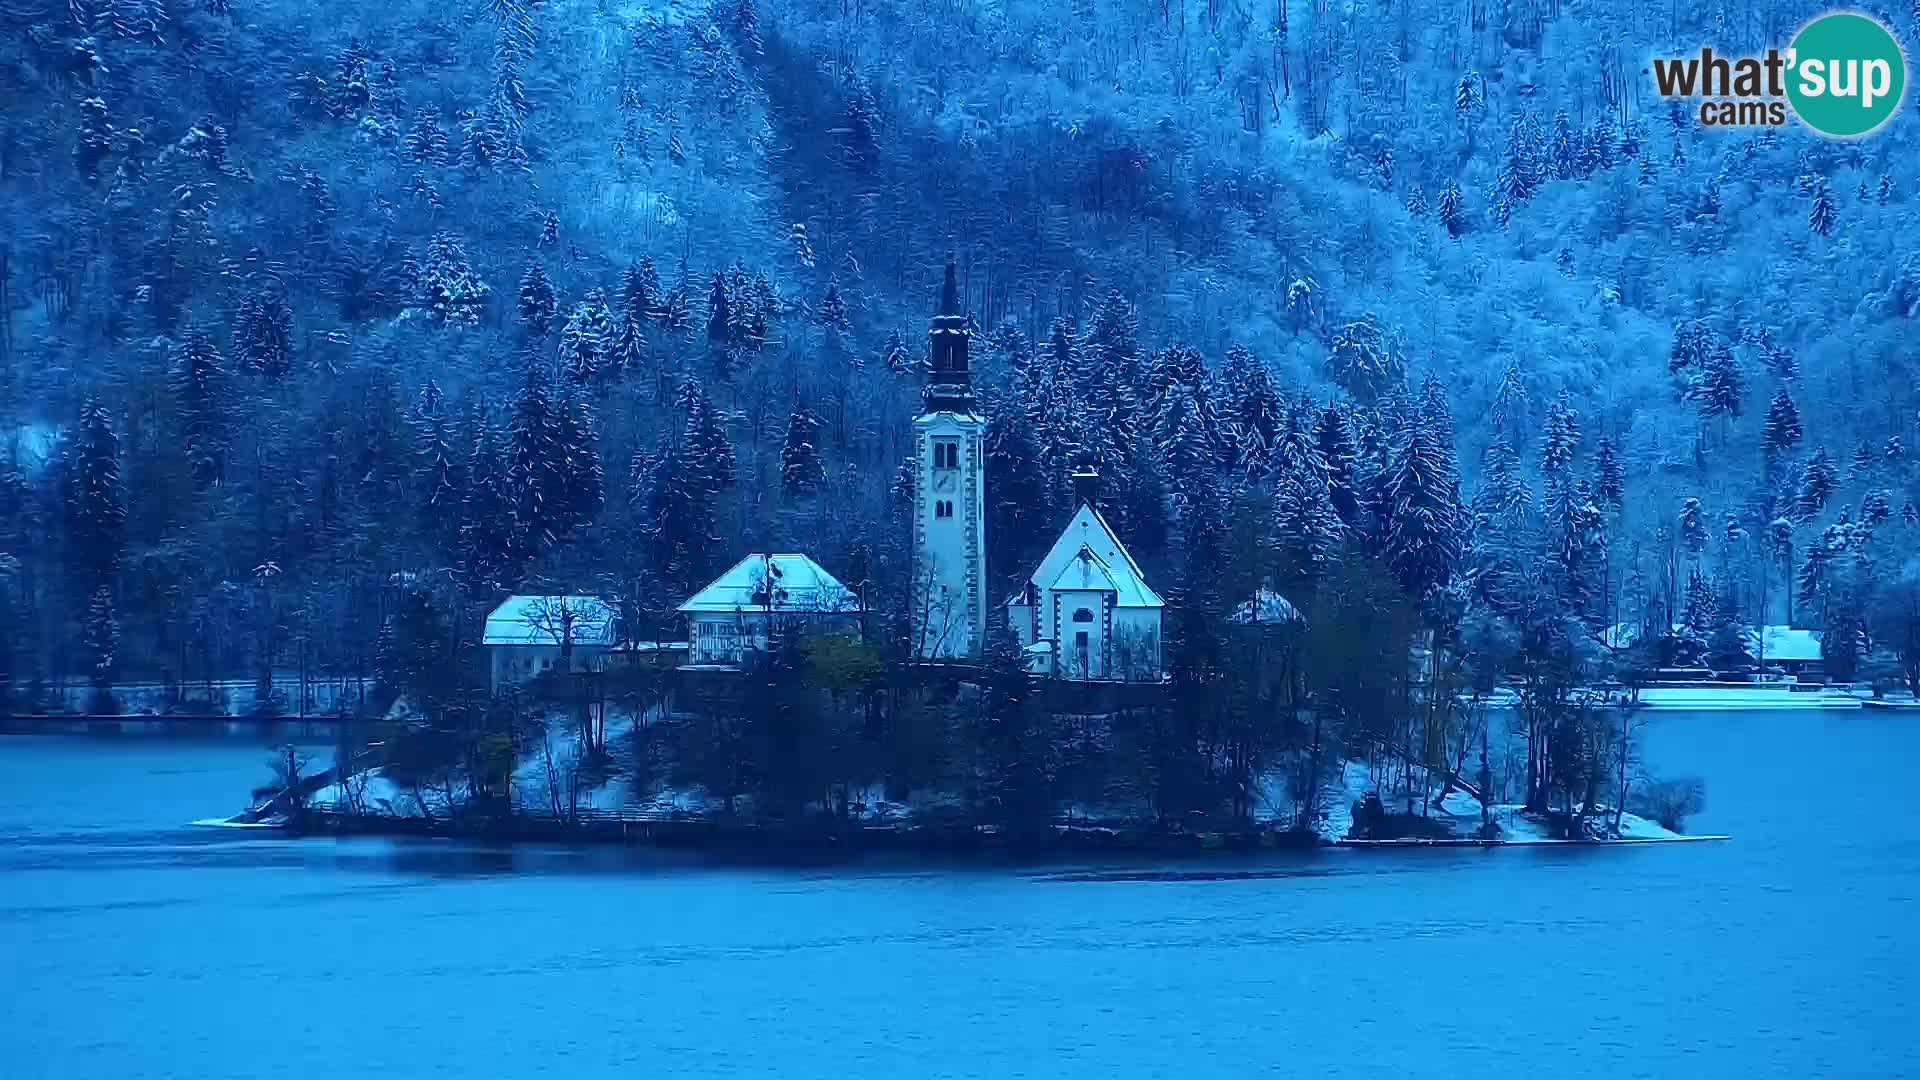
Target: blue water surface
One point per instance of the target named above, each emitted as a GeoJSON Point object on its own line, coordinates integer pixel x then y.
{"type": "Point", "coordinates": [134, 946]}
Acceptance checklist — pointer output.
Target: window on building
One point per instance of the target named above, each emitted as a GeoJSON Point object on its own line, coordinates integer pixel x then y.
{"type": "Point", "coordinates": [1083, 615]}
{"type": "Point", "coordinates": [943, 508]}
{"type": "Point", "coordinates": [946, 455]}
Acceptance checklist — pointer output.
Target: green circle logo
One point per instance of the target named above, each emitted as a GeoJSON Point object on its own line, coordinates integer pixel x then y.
{"type": "Point", "coordinates": [1846, 74]}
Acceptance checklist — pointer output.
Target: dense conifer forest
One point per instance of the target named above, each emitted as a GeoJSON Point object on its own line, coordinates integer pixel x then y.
{"type": "Point", "coordinates": [323, 327]}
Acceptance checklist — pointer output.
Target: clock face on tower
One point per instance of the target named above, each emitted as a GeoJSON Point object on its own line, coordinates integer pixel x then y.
{"type": "Point", "coordinates": [943, 481]}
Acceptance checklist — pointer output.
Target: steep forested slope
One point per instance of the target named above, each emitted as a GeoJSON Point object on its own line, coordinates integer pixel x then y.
{"type": "Point", "coordinates": [300, 298]}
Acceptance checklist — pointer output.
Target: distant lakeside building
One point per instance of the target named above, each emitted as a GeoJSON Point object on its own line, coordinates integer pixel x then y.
{"type": "Point", "coordinates": [527, 636]}
{"type": "Point", "coordinates": [760, 597]}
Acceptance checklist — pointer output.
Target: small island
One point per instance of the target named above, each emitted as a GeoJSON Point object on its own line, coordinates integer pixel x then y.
{"type": "Point", "coordinates": [1274, 696]}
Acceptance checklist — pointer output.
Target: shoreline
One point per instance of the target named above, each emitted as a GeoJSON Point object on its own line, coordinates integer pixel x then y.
{"type": "Point", "coordinates": [735, 837]}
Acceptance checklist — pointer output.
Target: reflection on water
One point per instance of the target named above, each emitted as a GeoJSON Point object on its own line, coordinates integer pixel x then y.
{"type": "Point", "coordinates": [134, 946]}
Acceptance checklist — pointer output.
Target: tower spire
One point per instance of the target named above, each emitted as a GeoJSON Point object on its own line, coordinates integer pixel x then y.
{"type": "Point", "coordinates": [950, 292]}
{"type": "Point", "coordinates": [949, 382]}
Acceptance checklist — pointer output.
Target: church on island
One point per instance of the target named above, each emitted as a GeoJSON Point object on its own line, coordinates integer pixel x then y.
{"type": "Point", "coordinates": [1085, 613]}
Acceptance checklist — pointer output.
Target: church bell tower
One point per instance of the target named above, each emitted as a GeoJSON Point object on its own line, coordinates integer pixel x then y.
{"type": "Point", "coordinates": [949, 530]}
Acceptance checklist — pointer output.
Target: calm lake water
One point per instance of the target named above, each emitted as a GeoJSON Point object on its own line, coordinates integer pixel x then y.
{"type": "Point", "coordinates": [134, 946]}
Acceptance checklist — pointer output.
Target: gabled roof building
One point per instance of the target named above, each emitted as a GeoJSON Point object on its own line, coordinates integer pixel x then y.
{"type": "Point", "coordinates": [740, 611]}
{"type": "Point", "coordinates": [1087, 612]}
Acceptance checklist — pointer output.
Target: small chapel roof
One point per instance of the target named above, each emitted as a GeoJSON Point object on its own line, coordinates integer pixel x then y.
{"type": "Point", "coordinates": [1108, 567]}
{"type": "Point", "coordinates": [787, 582]}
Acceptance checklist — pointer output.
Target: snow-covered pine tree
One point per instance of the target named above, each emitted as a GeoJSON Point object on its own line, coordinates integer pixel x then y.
{"type": "Point", "coordinates": [832, 315]}
{"type": "Point", "coordinates": [1503, 530]}
{"type": "Point", "coordinates": [1609, 475]}
{"type": "Point", "coordinates": [202, 398]}
{"type": "Point", "coordinates": [705, 437]}
{"type": "Point", "coordinates": [263, 334]}
{"type": "Point", "coordinates": [1364, 360]}
{"type": "Point", "coordinates": [94, 140]}
{"type": "Point", "coordinates": [451, 291]}
{"type": "Point", "coordinates": [676, 308]}
{"type": "Point", "coordinates": [1823, 214]}
{"type": "Point", "coordinates": [582, 481]}
{"type": "Point", "coordinates": [93, 501]}
{"type": "Point", "coordinates": [1817, 480]}
{"type": "Point", "coordinates": [895, 356]}
{"type": "Point", "coordinates": [1694, 342]}
{"type": "Point", "coordinates": [489, 554]}
{"type": "Point", "coordinates": [1245, 389]}
{"type": "Point", "coordinates": [1699, 617]}
{"type": "Point", "coordinates": [1307, 529]}
{"type": "Point", "coordinates": [627, 351]}
{"type": "Point", "coordinates": [675, 508]}
{"type": "Point", "coordinates": [436, 466]}
{"type": "Point", "coordinates": [1503, 500]}
{"type": "Point", "coordinates": [536, 465]}
{"type": "Point", "coordinates": [1719, 387]}
{"type": "Point", "coordinates": [1452, 214]}
{"type": "Point", "coordinates": [1876, 507]}
{"type": "Point", "coordinates": [100, 637]}
{"type": "Point", "coordinates": [719, 313]}
{"type": "Point", "coordinates": [640, 298]}
{"type": "Point", "coordinates": [1187, 440]}
{"type": "Point", "coordinates": [1864, 464]}
{"type": "Point", "coordinates": [1693, 529]}
{"type": "Point", "coordinates": [538, 302]}
{"type": "Point", "coordinates": [587, 339]}
{"type": "Point", "coordinates": [1562, 439]}
{"type": "Point", "coordinates": [1604, 148]}
{"type": "Point", "coordinates": [1425, 531]}
{"type": "Point", "coordinates": [427, 142]}
{"type": "Point", "coordinates": [1562, 151]}
{"type": "Point", "coordinates": [1334, 445]}
{"type": "Point", "coordinates": [750, 309]}
{"type": "Point", "coordinates": [1782, 428]}
{"type": "Point", "coordinates": [1019, 498]}
{"type": "Point", "coordinates": [801, 470]}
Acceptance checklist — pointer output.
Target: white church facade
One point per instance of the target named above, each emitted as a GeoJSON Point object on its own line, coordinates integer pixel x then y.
{"type": "Point", "coordinates": [1085, 613]}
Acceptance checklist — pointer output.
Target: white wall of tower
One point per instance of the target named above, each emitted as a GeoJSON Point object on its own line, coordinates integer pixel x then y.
{"type": "Point", "coordinates": [949, 573]}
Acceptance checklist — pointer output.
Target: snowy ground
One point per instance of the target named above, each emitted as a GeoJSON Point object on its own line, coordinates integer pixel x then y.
{"type": "Point", "coordinates": [1459, 815]}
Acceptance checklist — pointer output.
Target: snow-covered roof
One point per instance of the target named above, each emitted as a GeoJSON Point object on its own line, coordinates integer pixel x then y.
{"type": "Point", "coordinates": [1786, 643]}
{"type": "Point", "coordinates": [1088, 530]}
{"type": "Point", "coordinates": [546, 620]}
{"type": "Point", "coordinates": [1789, 643]}
{"type": "Point", "coordinates": [784, 582]}
{"type": "Point", "coordinates": [1266, 608]}
{"type": "Point", "coordinates": [1085, 571]}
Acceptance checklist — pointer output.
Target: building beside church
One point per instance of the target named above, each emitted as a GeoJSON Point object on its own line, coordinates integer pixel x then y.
{"type": "Point", "coordinates": [1087, 613]}
{"type": "Point", "coordinates": [760, 596]}
{"type": "Point", "coordinates": [949, 587]}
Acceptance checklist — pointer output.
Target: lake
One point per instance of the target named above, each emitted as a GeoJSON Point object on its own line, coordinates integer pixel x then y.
{"type": "Point", "coordinates": [134, 946]}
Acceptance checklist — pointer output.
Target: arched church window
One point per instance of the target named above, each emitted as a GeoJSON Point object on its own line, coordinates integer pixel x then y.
{"type": "Point", "coordinates": [943, 509]}
{"type": "Point", "coordinates": [1082, 615]}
